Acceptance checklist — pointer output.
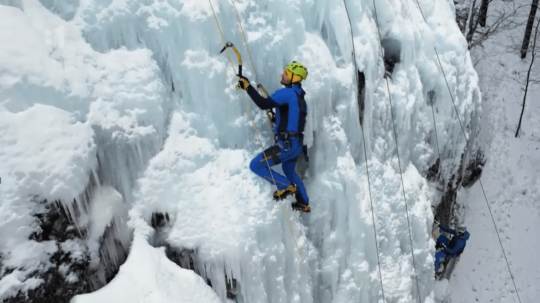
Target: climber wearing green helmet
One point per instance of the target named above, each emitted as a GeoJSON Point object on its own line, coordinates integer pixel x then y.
{"type": "Point", "coordinates": [290, 120]}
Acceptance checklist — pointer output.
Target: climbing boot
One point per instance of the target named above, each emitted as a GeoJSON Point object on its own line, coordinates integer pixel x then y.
{"type": "Point", "coordinates": [439, 272]}
{"type": "Point", "coordinates": [300, 204]}
{"type": "Point", "coordinates": [282, 194]}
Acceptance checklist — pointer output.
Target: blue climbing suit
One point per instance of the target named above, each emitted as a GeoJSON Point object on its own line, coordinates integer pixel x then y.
{"type": "Point", "coordinates": [291, 112]}
{"type": "Point", "coordinates": [454, 247]}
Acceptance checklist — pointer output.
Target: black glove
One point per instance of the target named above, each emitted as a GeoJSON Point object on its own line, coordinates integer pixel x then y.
{"type": "Point", "coordinates": [243, 82]}
{"type": "Point", "coordinates": [440, 246]}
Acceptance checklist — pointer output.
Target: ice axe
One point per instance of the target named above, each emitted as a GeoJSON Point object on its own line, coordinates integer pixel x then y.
{"type": "Point", "coordinates": [229, 44]}
{"type": "Point", "coordinates": [269, 113]}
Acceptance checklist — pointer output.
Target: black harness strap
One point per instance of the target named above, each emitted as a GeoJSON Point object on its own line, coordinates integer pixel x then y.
{"type": "Point", "coordinates": [272, 153]}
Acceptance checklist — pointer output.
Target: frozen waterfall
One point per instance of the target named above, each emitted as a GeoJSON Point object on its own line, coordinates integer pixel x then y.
{"type": "Point", "coordinates": [123, 115]}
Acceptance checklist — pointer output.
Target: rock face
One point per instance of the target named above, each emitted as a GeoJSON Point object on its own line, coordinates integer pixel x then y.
{"type": "Point", "coordinates": [67, 274]}
{"type": "Point", "coordinates": [68, 271]}
{"type": "Point", "coordinates": [186, 258]}
{"type": "Point", "coordinates": [449, 209]}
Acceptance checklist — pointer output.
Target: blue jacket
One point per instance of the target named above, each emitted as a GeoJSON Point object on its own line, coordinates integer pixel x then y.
{"type": "Point", "coordinates": [291, 107]}
{"type": "Point", "coordinates": [457, 244]}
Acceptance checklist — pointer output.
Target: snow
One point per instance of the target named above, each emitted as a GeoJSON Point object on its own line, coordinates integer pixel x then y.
{"type": "Point", "coordinates": [54, 101]}
{"type": "Point", "coordinates": [148, 276]}
{"type": "Point", "coordinates": [53, 163]}
{"type": "Point", "coordinates": [511, 180]}
{"type": "Point", "coordinates": [50, 168]}
{"type": "Point", "coordinates": [107, 209]}
{"type": "Point", "coordinates": [144, 83]}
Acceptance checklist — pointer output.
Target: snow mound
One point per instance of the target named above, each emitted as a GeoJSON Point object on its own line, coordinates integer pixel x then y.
{"type": "Point", "coordinates": [147, 277]}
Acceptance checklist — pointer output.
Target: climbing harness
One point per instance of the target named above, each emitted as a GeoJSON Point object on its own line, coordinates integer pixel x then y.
{"type": "Point", "coordinates": [469, 151]}
{"type": "Point", "coordinates": [283, 208]}
{"type": "Point", "coordinates": [399, 160]}
{"type": "Point", "coordinates": [365, 158]}
{"type": "Point", "coordinates": [285, 138]}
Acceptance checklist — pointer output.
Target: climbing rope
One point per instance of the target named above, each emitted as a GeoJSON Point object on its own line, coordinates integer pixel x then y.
{"type": "Point", "coordinates": [470, 156]}
{"type": "Point", "coordinates": [283, 208]}
{"type": "Point", "coordinates": [438, 149]}
{"type": "Point", "coordinates": [239, 22]}
{"type": "Point", "coordinates": [441, 174]}
{"type": "Point", "coordinates": [365, 155]}
{"type": "Point", "coordinates": [399, 160]}
{"type": "Point", "coordinates": [243, 97]}
{"type": "Point", "coordinates": [269, 113]}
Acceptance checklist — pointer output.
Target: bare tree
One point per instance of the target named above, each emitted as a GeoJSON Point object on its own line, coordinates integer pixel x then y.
{"type": "Point", "coordinates": [528, 30]}
{"type": "Point", "coordinates": [472, 24]}
{"type": "Point", "coordinates": [502, 18]}
{"type": "Point", "coordinates": [483, 13]}
{"type": "Point", "coordinates": [533, 54]}
{"type": "Point", "coordinates": [462, 15]}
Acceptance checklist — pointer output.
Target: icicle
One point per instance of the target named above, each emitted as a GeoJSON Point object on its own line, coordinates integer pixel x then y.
{"type": "Point", "coordinates": [96, 178]}
{"type": "Point", "coordinates": [71, 214]}
{"type": "Point", "coordinates": [139, 153]}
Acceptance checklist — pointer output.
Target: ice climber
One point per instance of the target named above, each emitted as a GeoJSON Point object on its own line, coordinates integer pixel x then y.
{"type": "Point", "coordinates": [290, 119]}
{"type": "Point", "coordinates": [452, 248]}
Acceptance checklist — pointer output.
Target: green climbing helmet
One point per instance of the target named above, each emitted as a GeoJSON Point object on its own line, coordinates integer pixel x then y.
{"type": "Point", "coordinates": [296, 72]}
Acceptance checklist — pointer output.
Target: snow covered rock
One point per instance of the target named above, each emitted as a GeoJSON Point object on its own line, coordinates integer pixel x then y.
{"type": "Point", "coordinates": [66, 110]}
{"type": "Point", "coordinates": [38, 163]}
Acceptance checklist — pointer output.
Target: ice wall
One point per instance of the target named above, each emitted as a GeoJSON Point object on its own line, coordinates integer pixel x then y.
{"type": "Point", "coordinates": [73, 119]}
{"type": "Point", "coordinates": [126, 64]}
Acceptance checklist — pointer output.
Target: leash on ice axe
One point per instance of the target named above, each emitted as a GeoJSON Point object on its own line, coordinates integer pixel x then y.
{"type": "Point", "coordinates": [269, 113]}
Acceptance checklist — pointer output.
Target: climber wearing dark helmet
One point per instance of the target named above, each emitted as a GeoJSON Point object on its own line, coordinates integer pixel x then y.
{"type": "Point", "coordinates": [290, 120]}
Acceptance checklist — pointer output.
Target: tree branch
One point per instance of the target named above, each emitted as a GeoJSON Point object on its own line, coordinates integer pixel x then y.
{"type": "Point", "coordinates": [533, 54]}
